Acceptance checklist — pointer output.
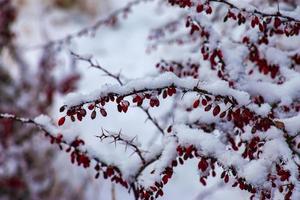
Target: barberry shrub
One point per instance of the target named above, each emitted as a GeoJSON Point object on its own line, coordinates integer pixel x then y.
{"type": "Point", "coordinates": [234, 99]}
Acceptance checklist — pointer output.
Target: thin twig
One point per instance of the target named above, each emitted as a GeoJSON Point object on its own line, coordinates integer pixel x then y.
{"type": "Point", "coordinates": [263, 14]}
{"type": "Point", "coordinates": [118, 79]}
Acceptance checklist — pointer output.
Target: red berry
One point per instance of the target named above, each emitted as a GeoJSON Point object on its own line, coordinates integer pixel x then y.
{"type": "Point", "coordinates": [223, 114]}
{"type": "Point", "coordinates": [165, 94]}
{"type": "Point", "coordinates": [277, 22]}
{"type": "Point", "coordinates": [169, 130]}
{"type": "Point", "coordinates": [200, 8]}
{"type": "Point", "coordinates": [93, 114]}
{"type": "Point", "coordinates": [208, 107]}
{"type": "Point", "coordinates": [226, 179]}
{"type": "Point", "coordinates": [165, 179]}
{"type": "Point", "coordinates": [196, 103]}
{"type": "Point", "coordinates": [202, 165]}
{"type": "Point", "coordinates": [62, 109]}
{"type": "Point", "coordinates": [216, 110]}
{"type": "Point", "coordinates": [208, 10]}
{"type": "Point", "coordinates": [202, 180]}
{"type": "Point", "coordinates": [61, 121]}
{"type": "Point", "coordinates": [125, 108]}
{"type": "Point", "coordinates": [91, 107]}
{"type": "Point", "coordinates": [103, 112]}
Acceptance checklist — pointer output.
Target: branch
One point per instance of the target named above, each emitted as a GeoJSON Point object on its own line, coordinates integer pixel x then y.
{"type": "Point", "coordinates": [152, 119]}
{"type": "Point", "coordinates": [210, 150]}
{"type": "Point", "coordinates": [97, 66]}
{"type": "Point", "coordinates": [81, 155]}
{"type": "Point", "coordinates": [119, 137]}
{"type": "Point", "coordinates": [159, 83]}
{"type": "Point", "coordinates": [249, 11]}
{"type": "Point", "coordinates": [18, 119]}
{"type": "Point", "coordinates": [44, 123]}
{"type": "Point", "coordinates": [118, 79]}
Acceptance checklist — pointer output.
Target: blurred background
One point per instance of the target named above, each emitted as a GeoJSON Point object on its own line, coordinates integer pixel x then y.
{"type": "Point", "coordinates": [34, 77]}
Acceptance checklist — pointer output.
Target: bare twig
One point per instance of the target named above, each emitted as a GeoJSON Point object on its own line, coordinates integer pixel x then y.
{"type": "Point", "coordinates": [263, 14]}
{"type": "Point", "coordinates": [118, 79]}
{"type": "Point", "coordinates": [119, 137]}
{"type": "Point", "coordinates": [97, 66]}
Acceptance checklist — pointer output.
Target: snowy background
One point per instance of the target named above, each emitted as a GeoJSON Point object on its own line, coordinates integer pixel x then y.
{"type": "Point", "coordinates": [120, 49]}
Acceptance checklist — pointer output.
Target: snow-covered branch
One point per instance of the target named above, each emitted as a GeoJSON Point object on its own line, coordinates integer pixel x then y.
{"type": "Point", "coordinates": [228, 99]}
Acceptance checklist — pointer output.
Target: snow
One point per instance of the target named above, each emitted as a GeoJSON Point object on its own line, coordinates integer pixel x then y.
{"type": "Point", "coordinates": [292, 124]}
{"type": "Point", "coordinates": [45, 122]}
{"type": "Point", "coordinates": [161, 81]}
{"type": "Point", "coordinates": [263, 109]}
{"type": "Point", "coordinates": [284, 93]}
{"type": "Point", "coordinates": [234, 58]}
{"type": "Point", "coordinates": [207, 143]}
{"type": "Point", "coordinates": [277, 57]}
{"type": "Point", "coordinates": [122, 51]}
{"type": "Point", "coordinates": [256, 172]}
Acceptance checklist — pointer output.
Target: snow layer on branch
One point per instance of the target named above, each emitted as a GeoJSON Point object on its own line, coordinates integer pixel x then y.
{"type": "Point", "coordinates": [208, 144]}
{"type": "Point", "coordinates": [6, 115]}
{"type": "Point", "coordinates": [234, 57]}
{"type": "Point", "coordinates": [276, 56]}
{"type": "Point", "coordinates": [272, 93]}
{"type": "Point", "coordinates": [263, 109]}
{"type": "Point", "coordinates": [10, 116]}
{"type": "Point", "coordinates": [294, 14]}
{"type": "Point", "coordinates": [151, 83]}
{"type": "Point", "coordinates": [292, 124]}
{"type": "Point", "coordinates": [242, 4]}
{"type": "Point", "coordinates": [128, 167]}
{"type": "Point", "coordinates": [46, 123]}
{"type": "Point", "coordinates": [168, 154]}
{"type": "Point", "coordinates": [255, 171]}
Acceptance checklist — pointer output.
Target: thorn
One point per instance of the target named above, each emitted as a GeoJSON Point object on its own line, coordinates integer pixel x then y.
{"type": "Point", "coordinates": [126, 146]}
{"type": "Point", "coordinates": [146, 119]}
{"type": "Point", "coordinates": [132, 153]}
{"type": "Point", "coordinates": [198, 83]}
